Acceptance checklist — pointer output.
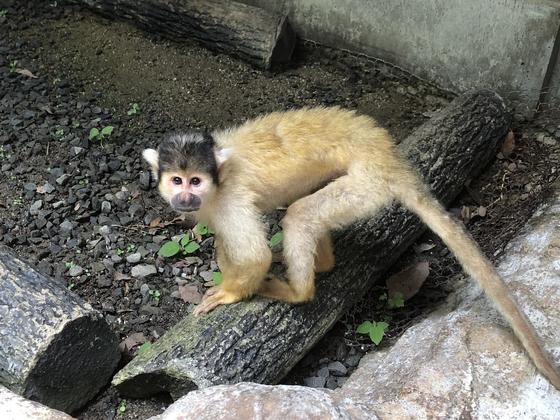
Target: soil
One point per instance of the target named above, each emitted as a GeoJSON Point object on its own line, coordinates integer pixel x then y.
{"type": "Point", "coordinates": [84, 211]}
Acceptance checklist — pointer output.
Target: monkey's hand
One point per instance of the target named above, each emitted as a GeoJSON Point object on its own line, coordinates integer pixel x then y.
{"type": "Point", "coordinates": [214, 297]}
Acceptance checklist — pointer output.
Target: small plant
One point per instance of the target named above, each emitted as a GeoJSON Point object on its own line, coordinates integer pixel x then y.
{"type": "Point", "coordinates": [102, 134]}
{"type": "Point", "coordinates": [276, 238]}
{"type": "Point", "coordinates": [130, 248]}
{"type": "Point", "coordinates": [396, 301]}
{"type": "Point", "coordinates": [155, 295]}
{"type": "Point", "coordinates": [69, 264]}
{"type": "Point", "coordinates": [375, 330]}
{"type": "Point", "coordinates": [120, 252]}
{"type": "Point", "coordinates": [58, 134]}
{"type": "Point", "coordinates": [3, 153]}
{"type": "Point", "coordinates": [13, 66]}
{"type": "Point", "coordinates": [217, 277]}
{"type": "Point", "coordinates": [122, 407]}
{"type": "Point", "coordinates": [134, 109]}
{"type": "Point", "coordinates": [203, 230]}
{"type": "Point", "coordinates": [184, 245]}
{"type": "Point", "coordinates": [3, 13]}
{"type": "Point", "coordinates": [18, 201]}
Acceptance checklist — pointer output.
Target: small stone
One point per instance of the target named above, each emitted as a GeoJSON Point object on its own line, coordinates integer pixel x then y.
{"type": "Point", "coordinates": [193, 260]}
{"type": "Point", "coordinates": [352, 361]}
{"type": "Point", "coordinates": [104, 281]}
{"type": "Point", "coordinates": [116, 258]}
{"type": "Point", "coordinates": [158, 239]}
{"type": "Point", "coordinates": [105, 230]}
{"type": "Point", "coordinates": [35, 207]}
{"type": "Point", "coordinates": [150, 310]}
{"type": "Point", "coordinates": [323, 372]}
{"type": "Point", "coordinates": [206, 275]}
{"type": "Point", "coordinates": [30, 186]}
{"type": "Point", "coordinates": [62, 179]}
{"type": "Point", "coordinates": [315, 382]}
{"type": "Point", "coordinates": [75, 271]}
{"type": "Point", "coordinates": [66, 227]}
{"type": "Point", "coordinates": [143, 270]}
{"type": "Point", "coordinates": [337, 369]}
{"type": "Point", "coordinates": [105, 207]}
{"type": "Point", "coordinates": [144, 180]}
{"type": "Point", "coordinates": [134, 258]}
{"type": "Point", "coordinates": [331, 383]}
{"type": "Point", "coordinates": [77, 150]}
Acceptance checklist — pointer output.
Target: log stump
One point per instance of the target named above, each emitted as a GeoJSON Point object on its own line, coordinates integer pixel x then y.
{"type": "Point", "coordinates": [54, 348]}
{"type": "Point", "coordinates": [261, 340]}
{"type": "Point", "coordinates": [255, 35]}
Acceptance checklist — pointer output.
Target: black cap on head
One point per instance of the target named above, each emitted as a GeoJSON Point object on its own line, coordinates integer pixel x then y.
{"type": "Point", "coordinates": [191, 150]}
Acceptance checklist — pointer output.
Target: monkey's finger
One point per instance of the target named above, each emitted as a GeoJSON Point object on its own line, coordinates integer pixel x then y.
{"type": "Point", "coordinates": [212, 291]}
{"type": "Point", "coordinates": [207, 305]}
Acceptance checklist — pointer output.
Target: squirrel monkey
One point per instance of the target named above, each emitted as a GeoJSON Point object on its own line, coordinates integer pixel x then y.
{"type": "Point", "coordinates": [331, 167]}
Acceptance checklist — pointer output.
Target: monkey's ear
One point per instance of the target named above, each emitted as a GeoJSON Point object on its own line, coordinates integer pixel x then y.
{"type": "Point", "coordinates": [222, 155]}
{"type": "Point", "coordinates": [152, 157]}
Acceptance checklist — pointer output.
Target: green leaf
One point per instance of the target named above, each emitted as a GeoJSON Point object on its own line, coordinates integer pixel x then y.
{"type": "Point", "coordinates": [217, 277]}
{"type": "Point", "coordinates": [383, 325]}
{"type": "Point", "coordinates": [144, 347]}
{"type": "Point", "coordinates": [93, 133]}
{"type": "Point", "coordinates": [364, 327]}
{"type": "Point", "coordinates": [185, 240]}
{"type": "Point", "coordinates": [201, 229]}
{"type": "Point", "coordinates": [377, 332]}
{"type": "Point", "coordinates": [191, 247]}
{"type": "Point", "coordinates": [276, 238]}
{"type": "Point", "coordinates": [107, 130]}
{"type": "Point", "coordinates": [169, 249]}
{"type": "Point", "coordinates": [396, 301]}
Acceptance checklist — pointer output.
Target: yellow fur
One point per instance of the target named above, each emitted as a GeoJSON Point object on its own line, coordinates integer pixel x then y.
{"type": "Point", "coordinates": [331, 167]}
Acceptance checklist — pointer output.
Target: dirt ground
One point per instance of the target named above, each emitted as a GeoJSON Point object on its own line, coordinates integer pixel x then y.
{"type": "Point", "coordinates": [89, 71]}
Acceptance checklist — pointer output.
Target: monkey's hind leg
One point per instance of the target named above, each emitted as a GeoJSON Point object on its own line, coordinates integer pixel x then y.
{"type": "Point", "coordinates": [324, 257]}
{"type": "Point", "coordinates": [305, 225]}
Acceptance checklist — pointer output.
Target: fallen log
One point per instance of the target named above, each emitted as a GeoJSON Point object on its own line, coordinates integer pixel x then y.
{"type": "Point", "coordinates": [257, 36]}
{"type": "Point", "coordinates": [54, 348]}
{"type": "Point", "coordinates": [261, 340]}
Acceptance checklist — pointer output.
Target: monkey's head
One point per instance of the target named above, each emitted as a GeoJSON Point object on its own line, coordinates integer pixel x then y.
{"type": "Point", "coordinates": [186, 168]}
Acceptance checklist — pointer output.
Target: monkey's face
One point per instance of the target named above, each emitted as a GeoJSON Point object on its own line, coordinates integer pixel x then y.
{"type": "Point", "coordinates": [186, 167]}
{"type": "Point", "coordinates": [186, 191]}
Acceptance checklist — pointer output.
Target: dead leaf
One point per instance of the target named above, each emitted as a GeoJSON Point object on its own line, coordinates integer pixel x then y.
{"type": "Point", "coordinates": [121, 276]}
{"type": "Point", "coordinates": [508, 146]}
{"type": "Point", "coordinates": [156, 222]}
{"type": "Point", "coordinates": [408, 281]}
{"type": "Point", "coordinates": [132, 340]}
{"type": "Point", "coordinates": [190, 294]}
{"type": "Point", "coordinates": [26, 72]}
{"type": "Point", "coordinates": [423, 247]}
{"type": "Point", "coordinates": [466, 213]}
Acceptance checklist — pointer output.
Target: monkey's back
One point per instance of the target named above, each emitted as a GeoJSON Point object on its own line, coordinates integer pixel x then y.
{"type": "Point", "coordinates": [300, 150]}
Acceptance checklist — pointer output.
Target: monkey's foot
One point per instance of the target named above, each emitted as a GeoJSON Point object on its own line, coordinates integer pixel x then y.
{"type": "Point", "coordinates": [214, 297]}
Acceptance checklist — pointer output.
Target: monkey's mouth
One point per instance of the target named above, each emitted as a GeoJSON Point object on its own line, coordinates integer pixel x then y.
{"type": "Point", "coordinates": [186, 209]}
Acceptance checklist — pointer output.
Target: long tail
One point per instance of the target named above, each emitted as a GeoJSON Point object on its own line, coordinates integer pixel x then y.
{"type": "Point", "coordinates": [479, 267]}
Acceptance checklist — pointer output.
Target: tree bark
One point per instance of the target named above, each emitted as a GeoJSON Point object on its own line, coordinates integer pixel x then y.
{"type": "Point", "coordinates": [261, 340]}
{"type": "Point", "coordinates": [248, 32]}
{"type": "Point", "coordinates": [54, 348]}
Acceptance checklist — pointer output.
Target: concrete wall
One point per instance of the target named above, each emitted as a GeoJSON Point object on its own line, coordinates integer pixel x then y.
{"type": "Point", "coordinates": [505, 45]}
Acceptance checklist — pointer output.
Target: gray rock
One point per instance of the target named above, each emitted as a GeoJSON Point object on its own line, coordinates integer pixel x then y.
{"type": "Point", "coordinates": [62, 179]}
{"type": "Point", "coordinates": [150, 310]}
{"type": "Point", "coordinates": [35, 207]}
{"type": "Point", "coordinates": [144, 289]}
{"type": "Point", "coordinates": [134, 258]}
{"type": "Point", "coordinates": [323, 372]}
{"type": "Point", "coordinates": [206, 275]}
{"type": "Point", "coordinates": [353, 360]}
{"type": "Point", "coordinates": [75, 271]}
{"type": "Point", "coordinates": [105, 230]}
{"type": "Point", "coordinates": [66, 227]}
{"type": "Point", "coordinates": [337, 368]}
{"type": "Point", "coordinates": [105, 207]}
{"type": "Point", "coordinates": [315, 381]}
{"type": "Point", "coordinates": [104, 281]}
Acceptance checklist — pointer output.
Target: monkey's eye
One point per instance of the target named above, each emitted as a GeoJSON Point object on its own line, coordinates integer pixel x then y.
{"type": "Point", "coordinates": [177, 180]}
{"type": "Point", "coordinates": [195, 181]}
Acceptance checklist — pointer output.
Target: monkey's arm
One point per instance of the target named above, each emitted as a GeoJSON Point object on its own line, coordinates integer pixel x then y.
{"type": "Point", "coordinates": [243, 264]}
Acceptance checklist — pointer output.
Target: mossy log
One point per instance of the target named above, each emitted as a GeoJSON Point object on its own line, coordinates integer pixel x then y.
{"type": "Point", "coordinates": [54, 348]}
{"type": "Point", "coordinates": [261, 340]}
{"type": "Point", "coordinates": [253, 34]}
